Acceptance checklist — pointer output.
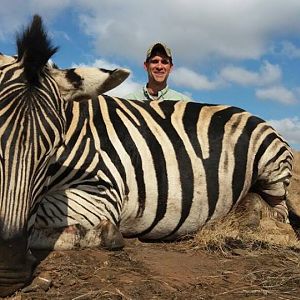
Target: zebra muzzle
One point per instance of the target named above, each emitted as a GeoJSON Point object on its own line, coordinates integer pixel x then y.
{"type": "Point", "coordinates": [15, 276]}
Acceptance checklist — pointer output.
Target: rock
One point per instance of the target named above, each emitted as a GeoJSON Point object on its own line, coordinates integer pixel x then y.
{"type": "Point", "coordinates": [41, 282]}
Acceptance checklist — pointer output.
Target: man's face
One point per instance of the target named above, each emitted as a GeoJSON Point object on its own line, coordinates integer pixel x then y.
{"type": "Point", "coordinates": [158, 67]}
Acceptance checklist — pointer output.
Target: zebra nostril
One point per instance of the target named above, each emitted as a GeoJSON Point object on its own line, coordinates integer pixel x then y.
{"type": "Point", "coordinates": [14, 277]}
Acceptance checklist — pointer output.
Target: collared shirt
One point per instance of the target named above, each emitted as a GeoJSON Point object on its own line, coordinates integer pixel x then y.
{"type": "Point", "coordinates": [165, 94]}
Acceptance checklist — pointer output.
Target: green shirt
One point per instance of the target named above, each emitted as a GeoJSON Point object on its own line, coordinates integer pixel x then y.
{"type": "Point", "coordinates": [165, 94]}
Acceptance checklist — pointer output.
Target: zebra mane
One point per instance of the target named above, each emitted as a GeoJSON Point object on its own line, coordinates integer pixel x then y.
{"type": "Point", "coordinates": [35, 49]}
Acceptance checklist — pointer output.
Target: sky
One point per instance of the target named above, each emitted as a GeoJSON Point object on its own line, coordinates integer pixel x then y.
{"type": "Point", "coordinates": [244, 53]}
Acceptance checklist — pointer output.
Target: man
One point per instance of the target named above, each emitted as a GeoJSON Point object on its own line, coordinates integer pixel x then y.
{"type": "Point", "coordinates": [158, 65]}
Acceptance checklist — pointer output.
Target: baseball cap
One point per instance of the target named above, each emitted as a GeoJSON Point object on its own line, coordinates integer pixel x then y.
{"type": "Point", "coordinates": [157, 47]}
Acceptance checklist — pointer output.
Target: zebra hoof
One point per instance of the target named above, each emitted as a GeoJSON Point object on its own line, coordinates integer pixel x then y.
{"type": "Point", "coordinates": [111, 237]}
{"type": "Point", "coordinates": [294, 217]}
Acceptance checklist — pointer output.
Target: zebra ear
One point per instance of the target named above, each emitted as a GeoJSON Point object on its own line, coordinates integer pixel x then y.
{"type": "Point", "coordinates": [85, 83]}
{"type": "Point", "coordinates": [116, 77]}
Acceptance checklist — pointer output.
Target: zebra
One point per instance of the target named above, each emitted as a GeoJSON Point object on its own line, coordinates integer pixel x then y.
{"type": "Point", "coordinates": [104, 168]}
{"type": "Point", "coordinates": [156, 171]}
{"type": "Point", "coordinates": [33, 97]}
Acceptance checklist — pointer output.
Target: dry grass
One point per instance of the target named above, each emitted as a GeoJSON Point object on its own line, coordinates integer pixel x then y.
{"type": "Point", "coordinates": [231, 233]}
{"type": "Point", "coordinates": [273, 244]}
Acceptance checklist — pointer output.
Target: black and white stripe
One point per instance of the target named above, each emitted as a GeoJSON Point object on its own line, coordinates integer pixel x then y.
{"type": "Point", "coordinates": [159, 170]}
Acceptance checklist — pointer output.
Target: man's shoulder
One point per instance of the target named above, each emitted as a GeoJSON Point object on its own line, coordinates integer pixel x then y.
{"type": "Point", "coordinates": [167, 94]}
{"type": "Point", "coordinates": [174, 95]}
{"type": "Point", "coordinates": [136, 95]}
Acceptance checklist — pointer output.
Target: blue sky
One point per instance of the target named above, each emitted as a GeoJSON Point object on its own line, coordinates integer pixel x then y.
{"type": "Point", "coordinates": [243, 53]}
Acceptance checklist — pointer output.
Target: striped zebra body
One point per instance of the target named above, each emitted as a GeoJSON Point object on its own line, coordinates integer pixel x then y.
{"type": "Point", "coordinates": [161, 170]}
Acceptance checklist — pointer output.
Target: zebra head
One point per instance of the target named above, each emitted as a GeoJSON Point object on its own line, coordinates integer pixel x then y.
{"type": "Point", "coordinates": [33, 95]}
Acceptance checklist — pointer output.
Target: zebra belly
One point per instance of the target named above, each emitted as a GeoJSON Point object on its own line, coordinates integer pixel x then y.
{"type": "Point", "coordinates": [172, 225]}
{"type": "Point", "coordinates": [187, 207]}
{"type": "Point", "coordinates": [164, 228]}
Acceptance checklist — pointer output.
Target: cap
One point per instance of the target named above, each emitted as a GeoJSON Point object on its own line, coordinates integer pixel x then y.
{"type": "Point", "coordinates": [157, 47]}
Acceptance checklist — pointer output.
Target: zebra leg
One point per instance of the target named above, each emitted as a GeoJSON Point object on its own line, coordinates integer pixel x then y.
{"type": "Point", "coordinates": [276, 207]}
{"type": "Point", "coordinates": [105, 235]}
{"type": "Point", "coordinates": [279, 206]}
{"type": "Point", "coordinates": [76, 218]}
{"type": "Point", "coordinates": [253, 207]}
{"type": "Point", "coordinates": [57, 238]}
{"type": "Point", "coordinates": [110, 236]}
{"type": "Point", "coordinates": [273, 190]}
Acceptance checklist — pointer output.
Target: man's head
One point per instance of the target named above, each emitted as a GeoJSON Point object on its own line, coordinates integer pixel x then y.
{"type": "Point", "coordinates": [159, 48]}
{"type": "Point", "coordinates": [158, 64]}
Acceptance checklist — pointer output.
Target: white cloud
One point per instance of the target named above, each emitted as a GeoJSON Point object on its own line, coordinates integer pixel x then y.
{"type": "Point", "coordinates": [290, 50]}
{"type": "Point", "coordinates": [276, 93]}
{"type": "Point", "coordinates": [125, 88]}
{"type": "Point", "coordinates": [190, 79]}
{"type": "Point", "coordinates": [289, 129]}
{"type": "Point", "coordinates": [195, 30]}
{"type": "Point", "coordinates": [267, 74]}
{"type": "Point", "coordinates": [14, 14]}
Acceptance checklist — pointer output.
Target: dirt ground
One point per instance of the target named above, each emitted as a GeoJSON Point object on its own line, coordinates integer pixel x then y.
{"type": "Point", "coordinates": [233, 268]}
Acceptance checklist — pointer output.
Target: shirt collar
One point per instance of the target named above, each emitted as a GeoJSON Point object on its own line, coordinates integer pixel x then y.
{"type": "Point", "coordinates": [158, 97]}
